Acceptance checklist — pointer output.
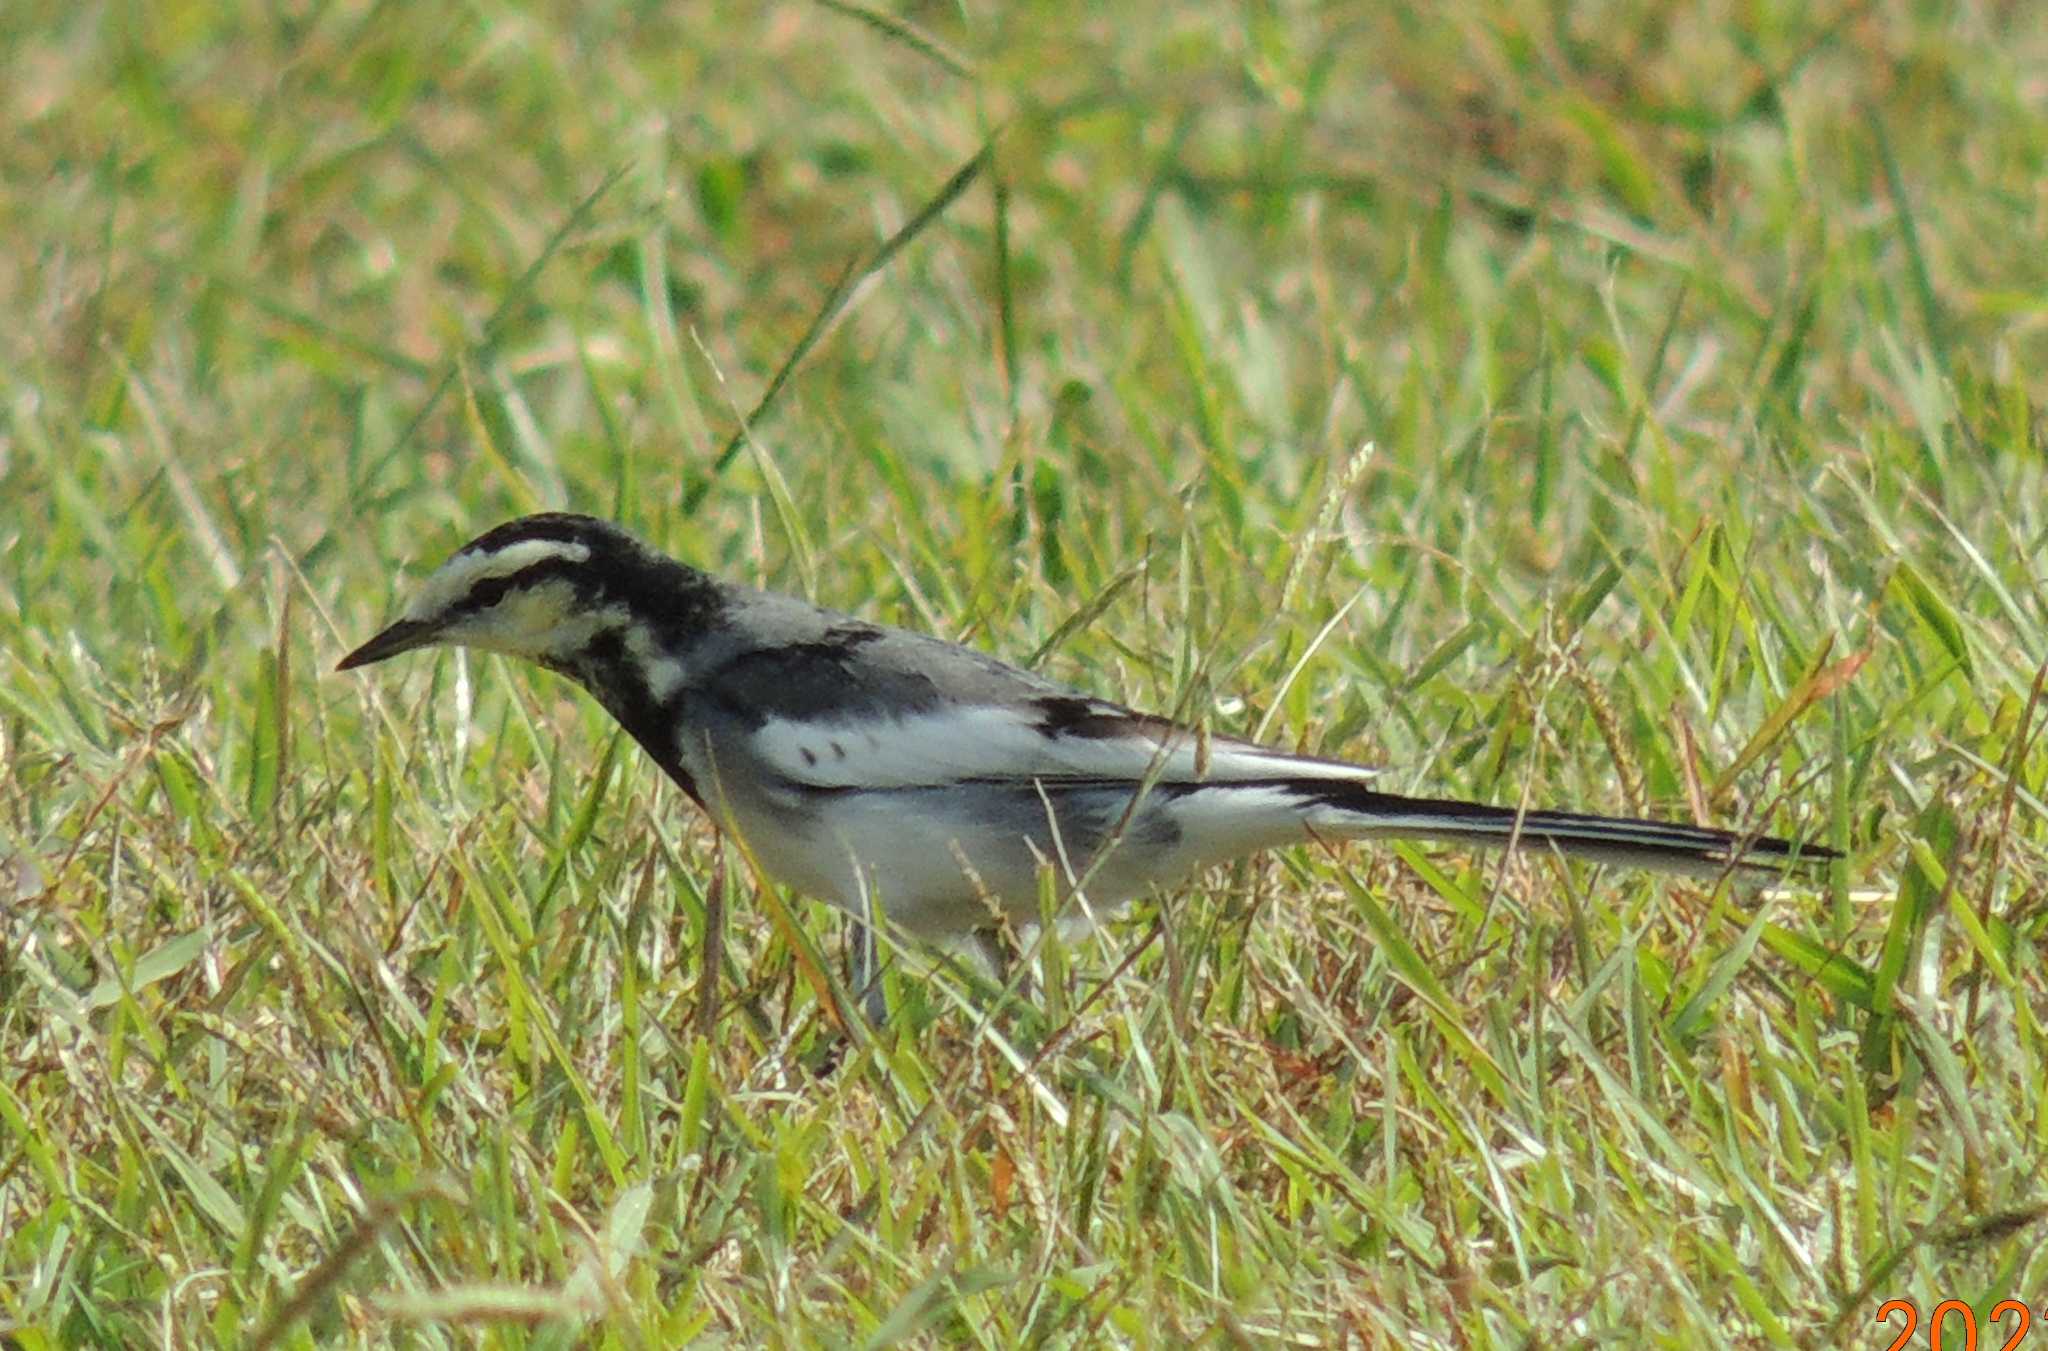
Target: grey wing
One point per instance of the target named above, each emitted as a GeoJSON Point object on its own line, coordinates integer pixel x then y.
{"type": "Point", "coordinates": [804, 663]}
{"type": "Point", "coordinates": [836, 703]}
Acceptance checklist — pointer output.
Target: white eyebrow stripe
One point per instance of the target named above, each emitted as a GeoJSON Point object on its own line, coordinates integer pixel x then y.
{"type": "Point", "coordinates": [510, 559]}
{"type": "Point", "coordinates": [461, 574]}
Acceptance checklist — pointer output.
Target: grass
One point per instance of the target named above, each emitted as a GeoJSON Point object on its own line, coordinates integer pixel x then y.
{"type": "Point", "coordinates": [1615, 406]}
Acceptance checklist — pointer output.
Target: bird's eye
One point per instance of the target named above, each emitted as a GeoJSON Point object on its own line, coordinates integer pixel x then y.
{"type": "Point", "coordinates": [487, 594]}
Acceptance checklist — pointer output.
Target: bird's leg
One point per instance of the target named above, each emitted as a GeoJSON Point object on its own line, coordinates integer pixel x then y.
{"type": "Point", "coordinates": [864, 961]}
{"type": "Point", "coordinates": [713, 955]}
{"type": "Point", "coordinates": [864, 984]}
{"type": "Point", "coordinates": [989, 943]}
{"type": "Point", "coordinates": [998, 946]}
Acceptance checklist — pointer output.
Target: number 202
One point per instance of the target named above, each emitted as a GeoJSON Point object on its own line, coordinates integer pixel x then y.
{"type": "Point", "coordinates": [1938, 1319]}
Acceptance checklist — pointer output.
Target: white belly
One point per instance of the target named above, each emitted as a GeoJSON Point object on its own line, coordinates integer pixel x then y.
{"type": "Point", "coordinates": [945, 861]}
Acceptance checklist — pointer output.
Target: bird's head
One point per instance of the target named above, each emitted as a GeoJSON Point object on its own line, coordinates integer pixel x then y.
{"type": "Point", "coordinates": [541, 587]}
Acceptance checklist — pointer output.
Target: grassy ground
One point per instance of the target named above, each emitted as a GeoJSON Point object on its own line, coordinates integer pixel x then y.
{"type": "Point", "coordinates": [1698, 352]}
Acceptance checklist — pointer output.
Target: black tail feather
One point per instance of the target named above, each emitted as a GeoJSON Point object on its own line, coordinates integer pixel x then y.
{"type": "Point", "coordinates": [1357, 810]}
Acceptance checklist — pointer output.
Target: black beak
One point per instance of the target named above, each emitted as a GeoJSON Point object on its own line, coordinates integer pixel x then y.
{"type": "Point", "coordinates": [403, 636]}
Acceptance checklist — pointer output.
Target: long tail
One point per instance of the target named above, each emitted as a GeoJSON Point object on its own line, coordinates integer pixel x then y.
{"type": "Point", "coordinates": [1350, 809]}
